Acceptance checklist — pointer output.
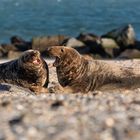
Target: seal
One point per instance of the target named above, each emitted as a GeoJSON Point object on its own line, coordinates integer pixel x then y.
{"type": "Point", "coordinates": [30, 71]}
{"type": "Point", "coordinates": [83, 75]}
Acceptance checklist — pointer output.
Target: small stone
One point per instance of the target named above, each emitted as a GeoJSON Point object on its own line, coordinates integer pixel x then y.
{"type": "Point", "coordinates": [5, 103]}
{"type": "Point", "coordinates": [16, 119]}
{"type": "Point", "coordinates": [56, 104]}
{"type": "Point", "coordinates": [20, 107]}
{"type": "Point", "coordinates": [32, 131]}
{"type": "Point", "coordinates": [110, 122]}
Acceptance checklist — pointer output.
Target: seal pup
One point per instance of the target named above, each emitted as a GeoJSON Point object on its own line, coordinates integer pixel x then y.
{"type": "Point", "coordinates": [29, 71]}
{"type": "Point", "coordinates": [82, 75]}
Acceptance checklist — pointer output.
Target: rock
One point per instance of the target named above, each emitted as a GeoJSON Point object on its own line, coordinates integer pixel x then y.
{"type": "Point", "coordinates": [42, 43]}
{"type": "Point", "coordinates": [5, 102]}
{"type": "Point", "coordinates": [78, 45]}
{"type": "Point", "coordinates": [5, 48]}
{"type": "Point", "coordinates": [20, 43]}
{"type": "Point", "coordinates": [73, 42]}
{"type": "Point", "coordinates": [12, 50]}
{"type": "Point", "coordinates": [14, 54]}
{"type": "Point", "coordinates": [110, 122]}
{"type": "Point", "coordinates": [137, 45]}
{"type": "Point", "coordinates": [16, 119]}
{"type": "Point", "coordinates": [85, 37]}
{"type": "Point", "coordinates": [93, 44]}
{"type": "Point", "coordinates": [110, 46]}
{"type": "Point", "coordinates": [56, 104]}
{"type": "Point", "coordinates": [109, 43]}
{"type": "Point", "coordinates": [124, 36]}
{"type": "Point", "coordinates": [130, 54]}
{"type": "Point", "coordinates": [15, 40]}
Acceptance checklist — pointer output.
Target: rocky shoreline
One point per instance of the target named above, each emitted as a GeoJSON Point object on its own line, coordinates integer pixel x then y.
{"type": "Point", "coordinates": [117, 43]}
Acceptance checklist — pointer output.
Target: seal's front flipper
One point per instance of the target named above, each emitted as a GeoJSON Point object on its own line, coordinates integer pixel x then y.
{"type": "Point", "coordinates": [39, 90]}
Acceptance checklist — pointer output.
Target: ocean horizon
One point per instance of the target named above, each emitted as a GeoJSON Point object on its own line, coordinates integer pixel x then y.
{"type": "Point", "coordinates": [29, 18]}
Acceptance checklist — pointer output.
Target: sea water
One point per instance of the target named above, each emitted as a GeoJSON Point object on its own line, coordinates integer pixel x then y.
{"type": "Point", "coordinates": [29, 18]}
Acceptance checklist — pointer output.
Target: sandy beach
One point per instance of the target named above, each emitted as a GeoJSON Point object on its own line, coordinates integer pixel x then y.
{"type": "Point", "coordinates": [96, 115]}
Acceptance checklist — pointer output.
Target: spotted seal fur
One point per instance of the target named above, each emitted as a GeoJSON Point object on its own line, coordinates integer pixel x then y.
{"type": "Point", "coordinates": [29, 71]}
{"type": "Point", "coordinates": [84, 75]}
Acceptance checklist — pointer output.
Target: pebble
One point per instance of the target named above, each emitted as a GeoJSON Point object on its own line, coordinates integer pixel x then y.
{"type": "Point", "coordinates": [110, 122]}
{"type": "Point", "coordinates": [56, 104]}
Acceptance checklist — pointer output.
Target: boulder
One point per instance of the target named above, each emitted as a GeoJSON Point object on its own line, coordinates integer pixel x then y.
{"type": "Point", "coordinates": [77, 44]}
{"type": "Point", "coordinates": [42, 43]}
{"type": "Point", "coordinates": [73, 42]}
{"type": "Point", "coordinates": [14, 54]}
{"type": "Point", "coordinates": [94, 44]}
{"type": "Point", "coordinates": [85, 37]}
{"type": "Point", "coordinates": [20, 43]}
{"type": "Point", "coordinates": [130, 54]}
{"type": "Point", "coordinates": [5, 48]}
{"type": "Point", "coordinates": [124, 36]}
{"type": "Point", "coordinates": [110, 46]}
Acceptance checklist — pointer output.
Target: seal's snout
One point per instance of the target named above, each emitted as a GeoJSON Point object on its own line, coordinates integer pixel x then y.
{"type": "Point", "coordinates": [50, 49]}
{"type": "Point", "coordinates": [49, 52]}
{"type": "Point", "coordinates": [56, 50]}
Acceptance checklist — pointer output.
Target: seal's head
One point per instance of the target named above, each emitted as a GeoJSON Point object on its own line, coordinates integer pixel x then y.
{"type": "Point", "coordinates": [31, 57]}
{"type": "Point", "coordinates": [62, 53]}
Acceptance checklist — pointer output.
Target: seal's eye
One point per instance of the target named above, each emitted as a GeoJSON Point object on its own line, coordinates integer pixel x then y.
{"type": "Point", "coordinates": [62, 50]}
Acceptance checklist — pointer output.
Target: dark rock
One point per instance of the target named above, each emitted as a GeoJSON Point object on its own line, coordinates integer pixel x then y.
{"type": "Point", "coordinates": [17, 40]}
{"type": "Point", "coordinates": [98, 49]}
{"type": "Point", "coordinates": [56, 104]}
{"type": "Point", "coordinates": [93, 43]}
{"type": "Point", "coordinates": [85, 37]}
{"type": "Point", "coordinates": [5, 102]}
{"type": "Point", "coordinates": [124, 36]}
{"type": "Point", "coordinates": [20, 43]}
{"type": "Point", "coordinates": [5, 87]}
{"type": "Point", "coordinates": [137, 45]}
{"type": "Point", "coordinates": [16, 120]}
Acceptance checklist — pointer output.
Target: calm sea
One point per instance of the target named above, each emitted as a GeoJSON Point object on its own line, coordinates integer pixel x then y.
{"type": "Point", "coordinates": [29, 18]}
